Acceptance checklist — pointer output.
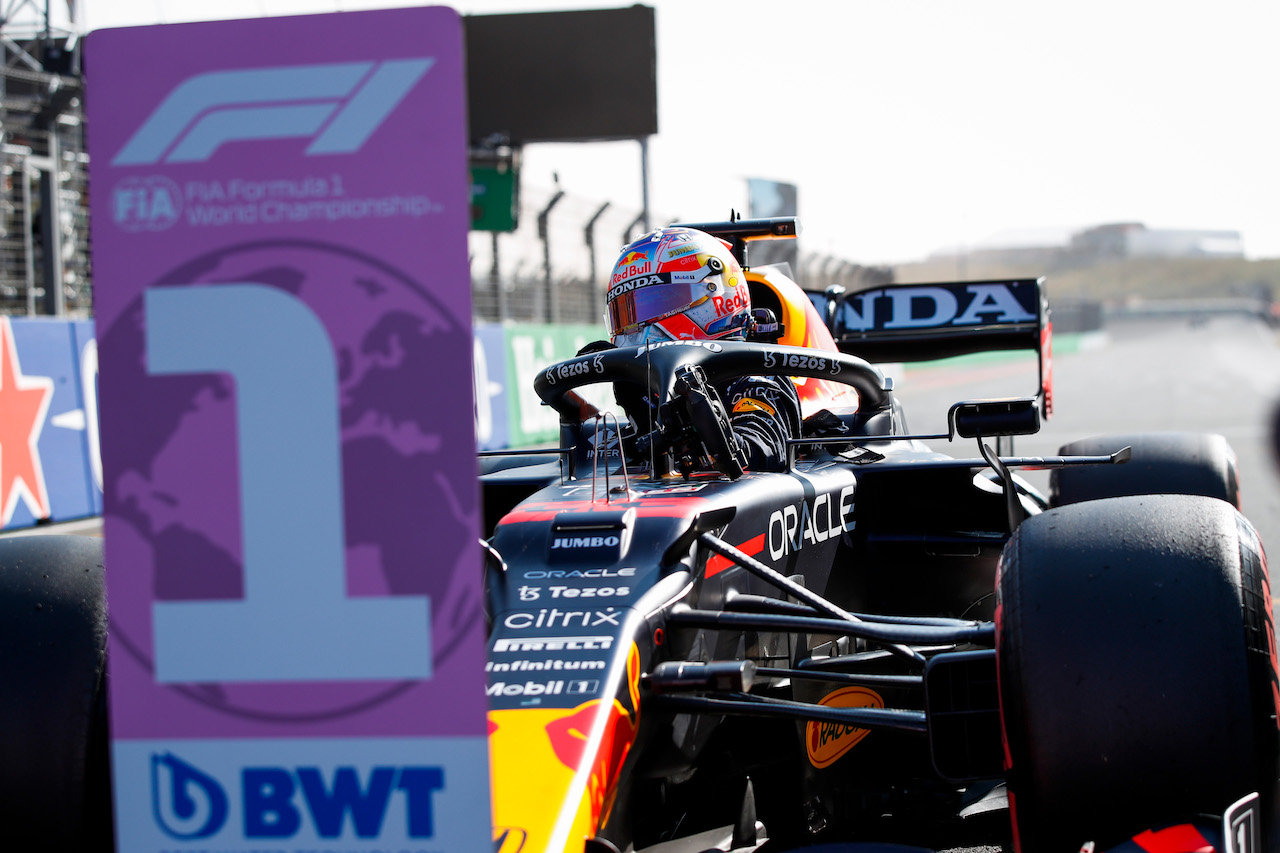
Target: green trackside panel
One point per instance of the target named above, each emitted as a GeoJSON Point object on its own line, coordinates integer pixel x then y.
{"type": "Point", "coordinates": [530, 348]}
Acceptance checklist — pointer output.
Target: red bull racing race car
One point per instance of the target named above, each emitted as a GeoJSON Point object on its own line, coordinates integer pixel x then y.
{"type": "Point", "coordinates": [879, 648]}
{"type": "Point", "coordinates": [882, 645]}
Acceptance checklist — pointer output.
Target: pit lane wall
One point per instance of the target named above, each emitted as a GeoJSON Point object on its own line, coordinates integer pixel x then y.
{"type": "Point", "coordinates": [50, 467]}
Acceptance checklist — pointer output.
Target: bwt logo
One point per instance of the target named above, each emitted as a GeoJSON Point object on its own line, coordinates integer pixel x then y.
{"type": "Point", "coordinates": [337, 105]}
{"type": "Point", "coordinates": [275, 802]}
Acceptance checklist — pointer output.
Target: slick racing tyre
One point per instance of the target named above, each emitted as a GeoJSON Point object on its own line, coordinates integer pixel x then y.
{"type": "Point", "coordinates": [1137, 671]}
{"type": "Point", "coordinates": [1173, 463]}
{"type": "Point", "coordinates": [54, 776]}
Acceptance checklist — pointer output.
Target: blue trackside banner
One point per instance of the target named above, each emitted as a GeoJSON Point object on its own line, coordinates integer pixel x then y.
{"type": "Point", "coordinates": [48, 426]}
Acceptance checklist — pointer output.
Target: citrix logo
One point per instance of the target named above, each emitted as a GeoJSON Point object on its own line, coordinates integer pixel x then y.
{"type": "Point", "coordinates": [339, 104]}
{"type": "Point", "coordinates": [189, 804]}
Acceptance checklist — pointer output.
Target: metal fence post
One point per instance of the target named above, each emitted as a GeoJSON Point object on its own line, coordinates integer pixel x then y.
{"type": "Point", "coordinates": [597, 293]}
{"type": "Point", "coordinates": [495, 281]}
{"type": "Point", "coordinates": [51, 230]}
{"type": "Point", "coordinates": [552, 304]}
{"type": "Point", "coordinates": [28, 236]}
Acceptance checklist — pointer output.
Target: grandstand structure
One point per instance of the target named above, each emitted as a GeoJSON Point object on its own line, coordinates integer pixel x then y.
{"type": "Point", "coordinates": [44, 233]}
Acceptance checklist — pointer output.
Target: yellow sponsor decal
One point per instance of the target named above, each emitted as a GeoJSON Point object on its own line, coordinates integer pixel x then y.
{"type": "Point", "coordinates": [535, 756]}
{"type": "Point", "coordinates": [751, 404]}
{"type": "Point", "coordinates": [826, 742]}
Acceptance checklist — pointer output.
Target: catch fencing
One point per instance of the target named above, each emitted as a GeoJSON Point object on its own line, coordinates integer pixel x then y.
{"type": "Point", "coordinates": [553, 267]}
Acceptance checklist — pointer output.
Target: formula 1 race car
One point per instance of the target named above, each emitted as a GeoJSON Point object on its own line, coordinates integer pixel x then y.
{"type": "Point", "coordinates": [880, 648]}
{"type": "Point", "coordinates": [882, 644]}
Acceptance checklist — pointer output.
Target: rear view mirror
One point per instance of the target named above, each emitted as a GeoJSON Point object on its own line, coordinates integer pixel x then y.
{"type": "Point", "coordinates": [1004, 416]}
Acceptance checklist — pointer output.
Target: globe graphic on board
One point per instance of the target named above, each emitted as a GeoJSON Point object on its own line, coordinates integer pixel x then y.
{"type": "Point", "coordinates": [171, 492]}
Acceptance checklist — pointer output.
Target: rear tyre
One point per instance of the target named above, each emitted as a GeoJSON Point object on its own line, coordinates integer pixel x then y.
{"type": "Point", "coordinates": [54, 774]}
{"type": "Point", "coordinates": [1174, 463]}
{"type": "Point", "coordinates": [1137, 668]}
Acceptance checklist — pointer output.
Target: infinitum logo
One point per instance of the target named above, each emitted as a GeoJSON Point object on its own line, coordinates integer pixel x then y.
{"type": "Point", "coordinates": [337, 105]}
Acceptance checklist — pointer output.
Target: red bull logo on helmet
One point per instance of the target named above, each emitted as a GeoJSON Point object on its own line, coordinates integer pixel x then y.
{"type": "Point", "coordinates": [734, 300]}
{"type": "Point", "coordinates": [631, 265]}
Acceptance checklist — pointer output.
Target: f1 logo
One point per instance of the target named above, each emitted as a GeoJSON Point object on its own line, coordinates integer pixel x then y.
{"type": "Point", "coordinates": [338, 105]}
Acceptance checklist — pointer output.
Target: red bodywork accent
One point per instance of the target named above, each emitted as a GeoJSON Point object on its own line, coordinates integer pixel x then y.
{"type": "Point", "coordinates": [672, 507]}
{"type": "Point", "coordinates": [1183, 838]}
{"type": "Point", "coordinates": [1046, 360]}
{"type": "Point", "coordinates": [717, 564]}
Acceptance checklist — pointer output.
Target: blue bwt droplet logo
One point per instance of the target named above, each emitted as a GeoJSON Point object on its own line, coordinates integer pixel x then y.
{"type": "Point", "coordinates": [187, 803]}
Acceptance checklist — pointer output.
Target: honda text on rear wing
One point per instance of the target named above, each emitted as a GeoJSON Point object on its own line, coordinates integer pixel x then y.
{"type": "Point", "coordinates": [922, 322]}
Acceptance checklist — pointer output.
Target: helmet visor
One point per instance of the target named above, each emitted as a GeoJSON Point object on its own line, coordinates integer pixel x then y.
{"type": "Point", "coordinates": [650, 297]}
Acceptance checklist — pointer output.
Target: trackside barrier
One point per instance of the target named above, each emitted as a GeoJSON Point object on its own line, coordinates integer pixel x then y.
{"type": "Point", "coordinates": [508, 412]}
{"type": "Point", "coordinates": [50, 465]}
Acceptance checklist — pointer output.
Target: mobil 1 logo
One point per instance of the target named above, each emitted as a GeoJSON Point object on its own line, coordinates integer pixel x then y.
{"type": "Point", "coordinates": [524, 691]}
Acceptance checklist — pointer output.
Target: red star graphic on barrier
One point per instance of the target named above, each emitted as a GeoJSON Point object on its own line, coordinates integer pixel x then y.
{"type": "Point", "coordinates": [23, 403]}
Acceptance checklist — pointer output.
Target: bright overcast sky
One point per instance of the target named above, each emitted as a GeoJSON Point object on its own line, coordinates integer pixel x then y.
{"type": "Point", "coordinates": [917, 126]}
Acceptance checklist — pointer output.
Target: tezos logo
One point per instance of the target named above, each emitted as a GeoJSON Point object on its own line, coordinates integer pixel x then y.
{"type": "Point", "coordinates": [276, 802]}
{"type": "Point", "coordinates": [152, 203]}
{"type": "Point", "coordinates": [569, 370]}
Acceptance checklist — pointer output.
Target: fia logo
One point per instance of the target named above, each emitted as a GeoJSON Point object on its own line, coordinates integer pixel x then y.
{"type": "Point", "coordinates": [151, 203]}
{"type": "Point", "coordinates": [187, 803]}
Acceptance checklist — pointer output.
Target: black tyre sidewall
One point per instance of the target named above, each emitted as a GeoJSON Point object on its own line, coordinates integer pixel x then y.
{"type": "Point", "coordinates": [1135, 686]}
{"type": "Point", "coordinates": [1180, 463]}
{"type": "Point", "coordinates": [54, 768]}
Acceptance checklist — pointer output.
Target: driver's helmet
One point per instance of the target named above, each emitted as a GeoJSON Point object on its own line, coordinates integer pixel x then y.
{"type": "Point", "coordinates": [677, 284]}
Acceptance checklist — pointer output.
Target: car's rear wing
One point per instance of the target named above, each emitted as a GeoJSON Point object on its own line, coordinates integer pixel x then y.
{"type": "Point", "coordinates": [921, 322]}
{"type": "Point", "coordinates": [739, 232]}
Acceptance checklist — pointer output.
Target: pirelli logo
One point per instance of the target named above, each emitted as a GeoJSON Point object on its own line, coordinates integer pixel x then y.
{"type": "Point", "coordinates": [552, 644]}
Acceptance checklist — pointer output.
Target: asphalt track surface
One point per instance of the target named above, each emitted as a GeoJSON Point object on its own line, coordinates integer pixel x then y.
{"type": "Point", "coordinates": [1220, 376]}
